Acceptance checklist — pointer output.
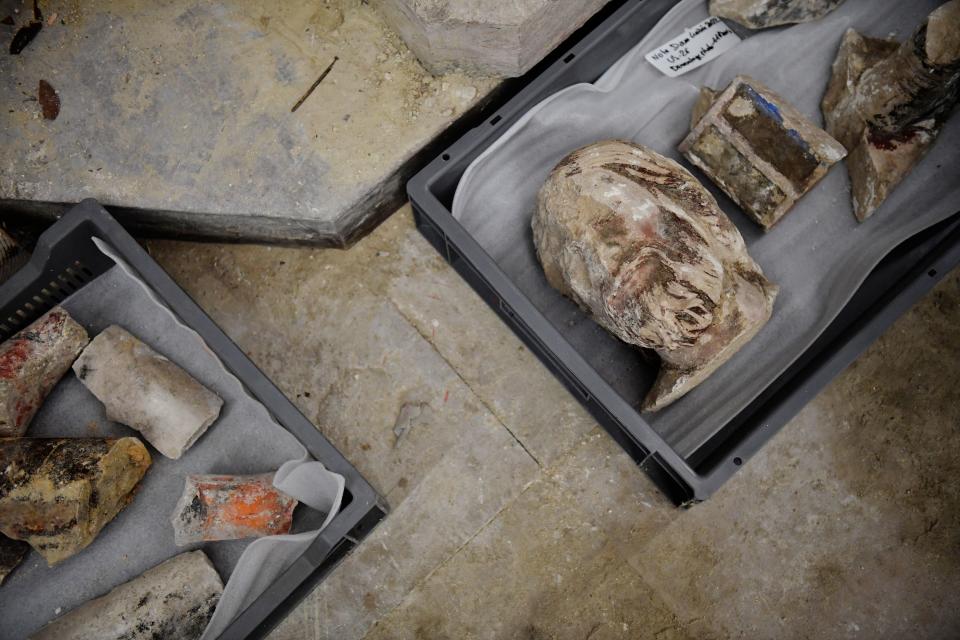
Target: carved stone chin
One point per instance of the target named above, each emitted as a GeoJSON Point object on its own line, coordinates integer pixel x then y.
{"type": "Point", "coordinates": [635, 240]}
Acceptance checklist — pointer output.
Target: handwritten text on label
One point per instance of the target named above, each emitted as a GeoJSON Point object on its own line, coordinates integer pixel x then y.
{"type": "Point", "coordinates": [698, 45]}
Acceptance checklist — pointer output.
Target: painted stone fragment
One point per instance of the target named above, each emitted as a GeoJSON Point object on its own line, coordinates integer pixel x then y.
{"type": "Point", "coordinates": [760, 150]}
{"type": "Point", "coordinates": [58, 493]}
{"type": "Point", "coordinates": [174, 601]}
{"type": "Point", "coordinates": [144, 390]}
{"type": "Point", "coordinates": [760, 14]}
{"type": "Point", "coordinates": [217, 507]}
{"type": "Point", "coordinates": [635, 240]}
{"type": "Point", "coordinates": [887, 102]}
{"type": "Point", "coordinates": [31, 364]}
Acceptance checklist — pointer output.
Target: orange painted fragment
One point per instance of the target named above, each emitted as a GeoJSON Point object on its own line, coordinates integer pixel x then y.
{"type": "Point", "coordinates": [218, 507]}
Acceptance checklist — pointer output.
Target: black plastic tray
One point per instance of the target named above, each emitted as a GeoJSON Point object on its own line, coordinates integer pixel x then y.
{"type": "Point", "coordinates": [897, 283]}
{"type": "Point", "coordinates": [66, 259]}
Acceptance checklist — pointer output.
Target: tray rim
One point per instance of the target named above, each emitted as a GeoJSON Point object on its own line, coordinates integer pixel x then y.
{"type": "Point", "coordinates": [669, 470]}
{"type": "Point", "coordinates": [353, 523]}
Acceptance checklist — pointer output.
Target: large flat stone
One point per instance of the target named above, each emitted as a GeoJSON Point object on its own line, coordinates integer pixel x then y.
{"type": "Point", "coordinates": [489, 357]}
{"type": "Point", "coordinates": [497, 37]}
{"type": "Point", "coordinates": [179, 114]}
{"type": "Point", "coordinates": [550, 557]}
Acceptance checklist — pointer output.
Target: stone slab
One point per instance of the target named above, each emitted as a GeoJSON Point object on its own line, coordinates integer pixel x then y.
{"type": "Point", "coordinates": [551, 545]}
{"type": "Point", "coordinates": [177, 116]}
{"type": "Point", "coordinates": [490, 37]}
{"type": "Point", "coordinates": [484, 351]}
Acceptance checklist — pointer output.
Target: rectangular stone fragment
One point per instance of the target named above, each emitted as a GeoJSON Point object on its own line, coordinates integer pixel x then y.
{"type": "Point", "coordinates": [174, 601]}
{"type": "Point", "coordinates": [217, 507]}
{"type": "Point", "coordinates": [759, 149]}
{"type": "Point", "coordinates": [58, 493]}
{"type": "Point", "coordinates": [31, 363]}
{"type": "Point", "coordinates": [144, 390]}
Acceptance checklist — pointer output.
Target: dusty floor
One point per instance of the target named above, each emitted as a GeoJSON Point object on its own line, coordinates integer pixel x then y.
{"type": "Point", "coordinates": [515, 516]}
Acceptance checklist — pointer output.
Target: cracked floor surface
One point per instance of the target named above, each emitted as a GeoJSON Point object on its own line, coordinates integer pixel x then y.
{"type": "Point", "coordinates": [515, 516]}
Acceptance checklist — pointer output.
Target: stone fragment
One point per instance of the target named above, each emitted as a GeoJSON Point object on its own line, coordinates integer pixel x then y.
{"type": "Point", "coordinates": [215, 507]}
{"type": "Point", "coordinates": [760, 150]}
{"type": "Point", "coordinates": [639, 243]}
{"type": "Point", "coordinates": [886, 102]}
{"type": "Point", "coordinates": [12, 256]}
{"type": "Point", "coordinates": [760, 14]}
{"type": "Point", "coordinates": [144, 390]}
{"type": "Point", "coordinates": [31, 363]}
{"type": "Point", "coordinates": [702, 105]}
{"type": "Point", "coordinates": [58, 493]}
{"type": "Point", "coordinates": [496, 37]}
{"type": "Point", "coordinates": [173, 601]}
{"type": "Point", "coordinates": [12, 553]}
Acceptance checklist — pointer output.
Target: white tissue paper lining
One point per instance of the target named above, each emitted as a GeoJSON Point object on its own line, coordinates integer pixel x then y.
{"type": "Point", "coordinates": [818, 253]}
{"type": "Point", "coordinates": [245, 439]}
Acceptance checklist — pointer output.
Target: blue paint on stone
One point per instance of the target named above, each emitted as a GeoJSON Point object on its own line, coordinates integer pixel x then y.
{"type": "Point", "coordinates": [765, 106]}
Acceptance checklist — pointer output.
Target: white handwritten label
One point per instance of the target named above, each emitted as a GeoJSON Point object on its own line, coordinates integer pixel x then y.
{"type": "Point", "coordinates": [696, 46]}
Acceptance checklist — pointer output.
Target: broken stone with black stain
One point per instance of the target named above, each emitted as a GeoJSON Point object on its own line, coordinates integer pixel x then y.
{"type": "Point", "coordinates": [12, 553]}
{"type": "Point", "coordinates": [887, 102]}
{"type": "Point", "coordinates": [31, 364]}
{"type": "Point", "coordinates": [633, 238]}
{"type": "Point", "coordinates": [759, 149]}
{"type": "Point", "coordinates": [174, 601]}
{"type": "Point", "coordinates": [58, 493]}
{"type": "Point", "coordinates": [760, 14]}
{"type": "Point", "coordinates": [146, 391]}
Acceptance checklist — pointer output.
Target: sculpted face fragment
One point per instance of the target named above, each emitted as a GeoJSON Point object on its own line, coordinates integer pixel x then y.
{"type": "Point", "coordinates": [634, 239]}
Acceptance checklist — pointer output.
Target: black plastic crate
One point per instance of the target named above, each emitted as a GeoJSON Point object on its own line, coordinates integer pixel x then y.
{"type": "Point", "coordinates": [901, 279]}
{"type": "Point", "coordinates": [65, 259]}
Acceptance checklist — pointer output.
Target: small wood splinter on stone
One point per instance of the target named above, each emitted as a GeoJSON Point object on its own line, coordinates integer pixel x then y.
{"type": "Point", "coordinates": [144, 390]}
{"type": "Point", "coordinates": [760, 150]}
{"type": "Point", "coordinates": [887, 102]}
{"type": "Point", "coordinates": [49, 100]}
{"type": "Point", "coordinates": [58, 493]}
{"type": "Point", "coordinates": [316, 84]}
{"type": "Point", "coordinates": [217, 507]}
{"type": "Point", "coordinates": [174, 601]}
{"type": "Point", "coordinates": [633, 238]}
{"type": "Point", "coordinates": [31, 364]}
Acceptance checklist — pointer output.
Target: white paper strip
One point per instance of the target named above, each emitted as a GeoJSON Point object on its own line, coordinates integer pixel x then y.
{"type": "Point", "coordinates": [695, 47]}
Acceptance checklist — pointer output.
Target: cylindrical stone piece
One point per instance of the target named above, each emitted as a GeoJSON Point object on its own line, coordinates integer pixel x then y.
{"type": "Point", "coordinates": [58, 493]}
{"type": "Point", "coordinates": [144, 390]}
{"type": "Point", "coordinates": [174, 601]}
{"type": "Point", "coordinates": [216, 507]}
{"type": "Point", "coordinates": [31, 363]}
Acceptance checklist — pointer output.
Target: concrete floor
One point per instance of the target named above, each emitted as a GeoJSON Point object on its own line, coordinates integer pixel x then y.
{"type": "Point", "coordinates": [515, 516]}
